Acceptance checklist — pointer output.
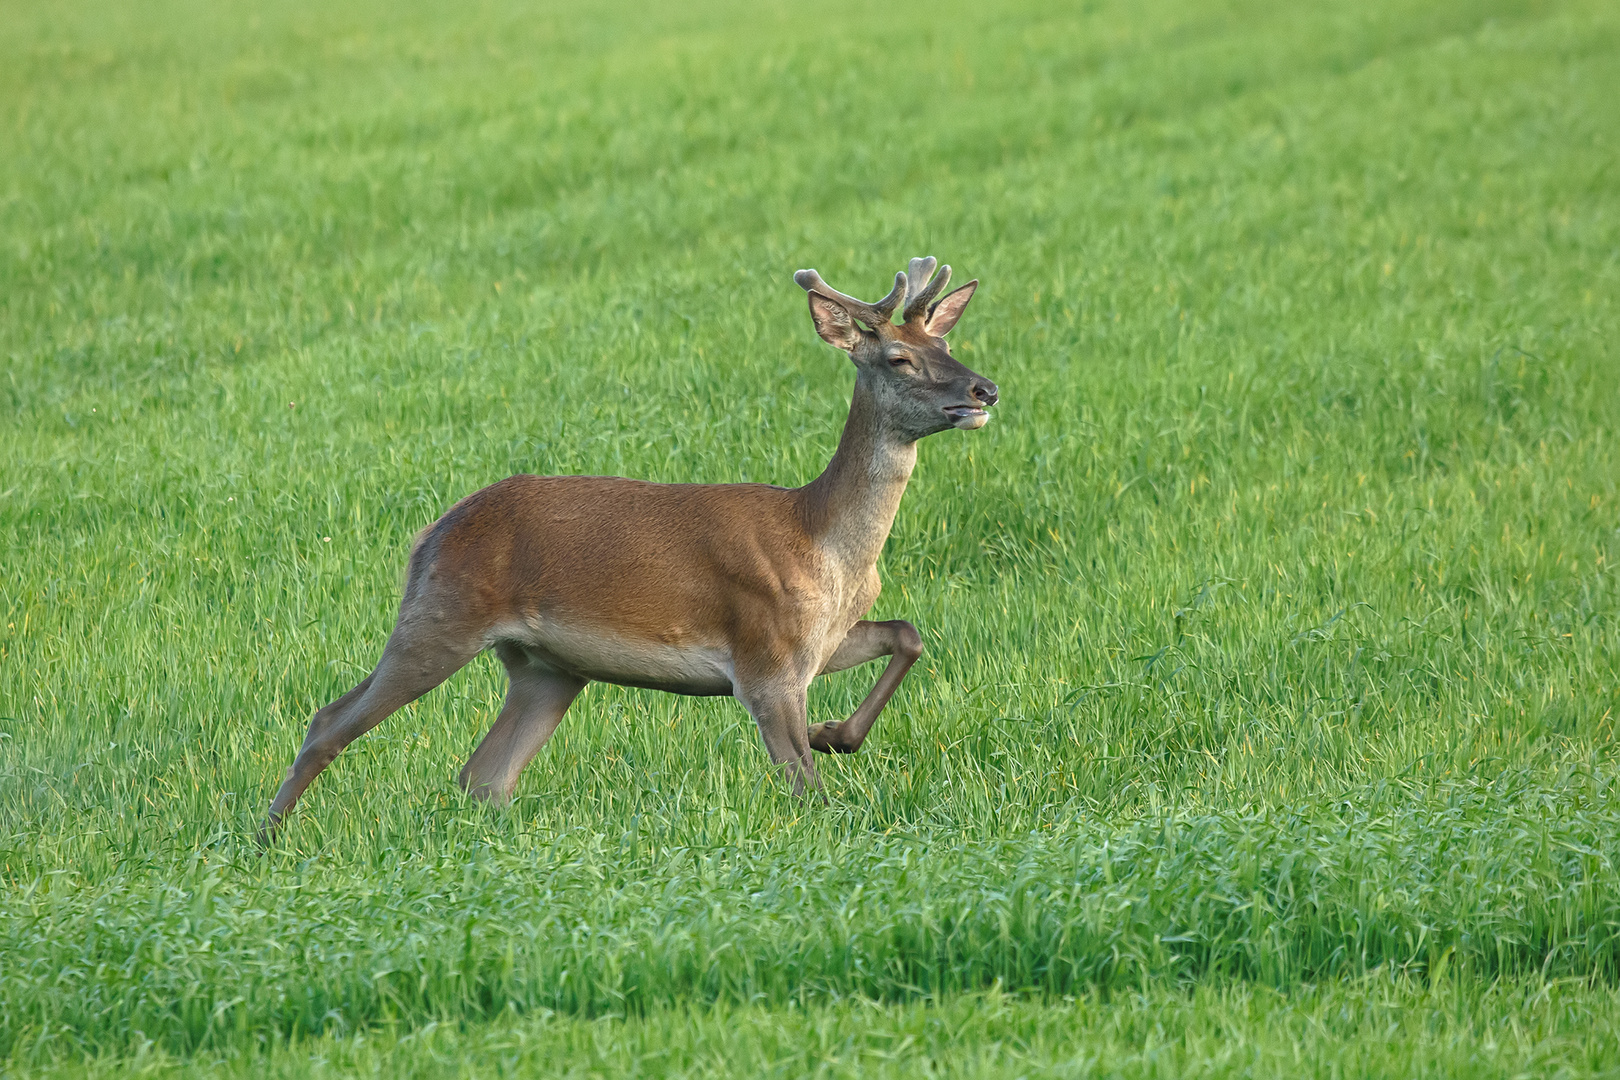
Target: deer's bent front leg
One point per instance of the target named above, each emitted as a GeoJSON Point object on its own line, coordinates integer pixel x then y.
{"type": "Point", "coordinates": [897, 640]}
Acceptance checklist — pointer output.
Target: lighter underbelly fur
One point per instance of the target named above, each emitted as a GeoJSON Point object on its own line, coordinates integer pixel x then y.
{"type": "Point", "coordinates": [608, 657]}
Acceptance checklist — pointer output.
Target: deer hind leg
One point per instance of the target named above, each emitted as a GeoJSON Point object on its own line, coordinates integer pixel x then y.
{"type": "Point", "coordinates": [412, 664]}
{"type": "Point", "coordinates": [897, 640]}
{"type": "Point", "coordinates": [535, 703]}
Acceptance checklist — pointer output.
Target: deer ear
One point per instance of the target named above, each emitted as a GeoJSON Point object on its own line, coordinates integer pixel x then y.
{"type": "Point", "coordinates": [943, 315]}
{"type": "Point", "coordinates": [833, 323]}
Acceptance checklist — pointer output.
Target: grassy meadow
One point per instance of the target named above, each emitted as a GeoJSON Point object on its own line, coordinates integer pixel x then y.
{"type": "Point", "coordinates": [1267, 720]}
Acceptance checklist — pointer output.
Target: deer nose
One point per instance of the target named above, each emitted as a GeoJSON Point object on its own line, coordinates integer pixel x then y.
{"type": "Point", "coordinates": [985, 391]}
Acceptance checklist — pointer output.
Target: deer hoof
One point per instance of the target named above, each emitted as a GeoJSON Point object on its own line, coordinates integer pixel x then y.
{"type": "Point", "coordinates": [825, 738]}
{"type": "Point", "coordinates": [266, 835]}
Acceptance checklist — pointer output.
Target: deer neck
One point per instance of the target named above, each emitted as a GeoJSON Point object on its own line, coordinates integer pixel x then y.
{"type": "Point", "coordinates": [850, 508]}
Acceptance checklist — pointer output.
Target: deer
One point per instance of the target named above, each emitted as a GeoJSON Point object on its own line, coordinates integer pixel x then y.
{"type": "Point", "coordinates": [743, 589]}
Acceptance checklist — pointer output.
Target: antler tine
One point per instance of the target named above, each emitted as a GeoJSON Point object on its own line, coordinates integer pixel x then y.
{"type": "Point", "coordinates": [917, 275]}
{"type": "Point", "coordinates": [917, 302]}
{"type": "Point", "coordinates": [872, 315]}
{"type": "Point", "coordinates": [886, 306]}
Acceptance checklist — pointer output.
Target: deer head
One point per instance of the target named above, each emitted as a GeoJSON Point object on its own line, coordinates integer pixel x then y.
{"type": "Point", "coordinates": [920, 388]}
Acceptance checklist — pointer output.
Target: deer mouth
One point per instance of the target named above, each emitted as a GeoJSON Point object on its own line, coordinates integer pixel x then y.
{"type": "Point", "coordinates": [967, 417]}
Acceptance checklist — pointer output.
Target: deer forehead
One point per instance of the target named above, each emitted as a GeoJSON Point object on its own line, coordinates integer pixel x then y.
{"type": "Point", "coordinates": [907, 338]}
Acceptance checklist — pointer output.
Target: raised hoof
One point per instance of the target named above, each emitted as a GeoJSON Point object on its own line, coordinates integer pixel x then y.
{"type": "Point", "coordinates": [825, 738]}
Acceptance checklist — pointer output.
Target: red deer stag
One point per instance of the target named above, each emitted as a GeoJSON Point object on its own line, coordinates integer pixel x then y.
{"type": "Point", "coordinates": [742, 589]}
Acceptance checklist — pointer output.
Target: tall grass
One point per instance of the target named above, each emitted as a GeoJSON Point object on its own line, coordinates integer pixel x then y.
{"type": "Point", "coordinates": [1273, 625]}
{"type": "Point", "coordinates": [1379, 1026]}
{"type": "Point", "coordinates": [1488, 883]}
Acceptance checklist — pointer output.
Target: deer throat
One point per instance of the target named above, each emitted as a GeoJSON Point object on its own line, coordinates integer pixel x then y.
{"type": "Point", "coordinates": [851, 506]}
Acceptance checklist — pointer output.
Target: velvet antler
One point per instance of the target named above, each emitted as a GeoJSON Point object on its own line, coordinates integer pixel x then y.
{"type": "Point", "coordinates": [873, 315]}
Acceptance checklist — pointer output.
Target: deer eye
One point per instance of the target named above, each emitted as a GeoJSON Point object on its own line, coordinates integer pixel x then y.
{"type": "Point", "coordinates": [896, 361]}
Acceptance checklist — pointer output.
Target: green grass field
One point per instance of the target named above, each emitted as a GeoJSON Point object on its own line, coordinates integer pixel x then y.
{"type": "Point", "coordinates": [1267, 723]}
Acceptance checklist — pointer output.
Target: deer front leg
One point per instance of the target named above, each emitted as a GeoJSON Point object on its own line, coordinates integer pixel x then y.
{"type": "Point", "coordinates": [896, 639]}
{"type": "Point", "coordinates": [778, 706]}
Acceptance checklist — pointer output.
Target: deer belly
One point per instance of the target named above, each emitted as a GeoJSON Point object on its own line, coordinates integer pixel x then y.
{"type": "Point", "coordinates": [590, 653]}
